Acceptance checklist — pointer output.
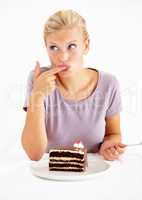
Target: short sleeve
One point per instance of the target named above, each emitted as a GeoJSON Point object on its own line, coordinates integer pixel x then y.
{"type": "Point", "coordinates": [115, 101]}
{"type": "Point", "coordinates": [29, 88]}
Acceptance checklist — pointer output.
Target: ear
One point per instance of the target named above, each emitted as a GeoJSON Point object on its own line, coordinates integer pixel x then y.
{"type": "Point", "coordinates": [86, 46]}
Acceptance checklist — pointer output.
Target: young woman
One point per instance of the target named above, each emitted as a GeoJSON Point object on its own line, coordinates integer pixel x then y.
{"type": "Point", "coordinates": [67, 100]}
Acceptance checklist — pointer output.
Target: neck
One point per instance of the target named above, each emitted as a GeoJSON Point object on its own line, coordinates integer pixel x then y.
{"type": "Point", "coordinates": [73, 82]}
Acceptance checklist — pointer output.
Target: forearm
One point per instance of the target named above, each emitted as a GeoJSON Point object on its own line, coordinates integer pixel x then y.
{"type": "Point", "coordinates": [34, 137]}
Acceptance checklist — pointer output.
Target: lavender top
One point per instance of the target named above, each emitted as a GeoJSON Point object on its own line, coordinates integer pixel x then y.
{"type": "Point", "coordinates": [67, 120]}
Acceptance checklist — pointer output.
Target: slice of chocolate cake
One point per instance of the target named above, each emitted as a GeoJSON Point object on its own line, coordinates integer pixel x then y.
{"type": "Point", "coordinates": [68, 159]}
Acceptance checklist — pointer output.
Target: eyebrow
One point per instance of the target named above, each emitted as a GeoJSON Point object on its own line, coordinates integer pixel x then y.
{"type": "Point", "coordinates": [67, 43]}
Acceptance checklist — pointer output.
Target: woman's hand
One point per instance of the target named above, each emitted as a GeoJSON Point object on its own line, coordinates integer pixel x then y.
{"type": "Point", "coordinates": [111, 150]}
{"type": "Point", "coordinates": [44, 83]}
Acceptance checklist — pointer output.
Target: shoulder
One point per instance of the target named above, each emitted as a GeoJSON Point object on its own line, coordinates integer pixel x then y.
{"type": "Point", "coordinates": [108, 80]}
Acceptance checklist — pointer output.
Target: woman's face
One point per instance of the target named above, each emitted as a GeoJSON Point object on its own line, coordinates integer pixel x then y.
{"type": "Point", "coordinates": [67, 47]}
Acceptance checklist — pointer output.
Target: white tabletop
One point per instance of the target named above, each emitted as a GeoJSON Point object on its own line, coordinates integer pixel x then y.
{"type": "Point", "coordinates": [122, 182]}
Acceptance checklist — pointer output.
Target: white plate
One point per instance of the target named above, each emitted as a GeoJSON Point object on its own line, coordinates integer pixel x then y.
{"type": "Point", "coordinates": [96, 166]}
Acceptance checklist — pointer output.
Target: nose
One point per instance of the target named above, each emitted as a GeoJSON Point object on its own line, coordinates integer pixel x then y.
{"type": "Point", "coordinates": [63, 56]}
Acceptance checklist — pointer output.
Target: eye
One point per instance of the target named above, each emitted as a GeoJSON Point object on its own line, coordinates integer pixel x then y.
{"type": "Point", "coordinates": [53, 48]}
{"type": "Point", "coordinates": [72, 46]}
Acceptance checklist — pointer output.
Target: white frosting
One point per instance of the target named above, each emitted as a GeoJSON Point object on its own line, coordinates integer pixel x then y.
{"type": "Point", "coordinates": [79, 145]}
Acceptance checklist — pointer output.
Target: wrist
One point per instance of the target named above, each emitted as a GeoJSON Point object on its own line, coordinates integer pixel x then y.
{"type": "Point", "coordinates": [37, 96]}
{"type": "Point", "coordinates": [37, 100]}
{"type": "Point", "coordinates": [114, 137]}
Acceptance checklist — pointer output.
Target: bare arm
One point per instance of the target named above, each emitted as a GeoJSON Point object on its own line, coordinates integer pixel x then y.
{"type": "Point", "coordinates": [34, 137]}
{"type": "Point", "coordinates": [112, 129]}
{"type": "Point", "coordinates": [112, 147]}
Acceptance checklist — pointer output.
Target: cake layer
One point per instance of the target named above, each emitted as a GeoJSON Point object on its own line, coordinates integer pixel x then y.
{"type": "Point", "coordinates": [67, 169]}
{"type": "Point", "coordinates": [67, 154]}
{"type": "Point", "coordinates": [71, 149]}
{"type": "Point", "coordinates": [66, 159]}
{"type": "Point", "coordinates": [60, 164]}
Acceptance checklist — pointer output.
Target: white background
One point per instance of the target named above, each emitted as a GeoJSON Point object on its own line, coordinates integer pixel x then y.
{"type": "Point", "coordinates": [115, 28]}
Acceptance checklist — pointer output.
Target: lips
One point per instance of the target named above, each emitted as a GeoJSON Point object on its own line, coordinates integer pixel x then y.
{"type": "Point", "coordinates": [64, 66]}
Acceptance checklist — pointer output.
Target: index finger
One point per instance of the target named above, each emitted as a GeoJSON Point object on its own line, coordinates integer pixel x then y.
{"type": "Point", "coordinates": [121, 145]}
{"type": "Point", "coordinates": [56, 70]}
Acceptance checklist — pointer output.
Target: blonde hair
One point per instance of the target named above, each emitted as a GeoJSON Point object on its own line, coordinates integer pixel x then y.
{"type": "Point", "coordinates": [65, 19]}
